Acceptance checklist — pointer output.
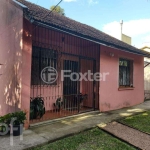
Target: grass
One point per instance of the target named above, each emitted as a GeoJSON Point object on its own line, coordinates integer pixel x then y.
{"type": "Point", "coordinates": [94, 139]}
{"type": "Point", "coordinates": [140, 122]}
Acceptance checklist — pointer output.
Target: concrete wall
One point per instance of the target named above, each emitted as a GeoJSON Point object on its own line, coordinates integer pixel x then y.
{"type": "Point", "coordinates": [147, 74]}
{"type": "Point", "coordinates": [147, 77]}
{"type": "Point", "coordinates": [111, 97]}
{"type": "Point", "coordinates": [15, 57]}
{"type": "Point", "coordinates": [11, 26]}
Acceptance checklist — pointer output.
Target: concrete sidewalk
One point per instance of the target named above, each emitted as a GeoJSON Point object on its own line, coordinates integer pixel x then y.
{"type": "Point", "coordinates": [43, 134]}
{"type": "Point", "coordinates": [130, 135]}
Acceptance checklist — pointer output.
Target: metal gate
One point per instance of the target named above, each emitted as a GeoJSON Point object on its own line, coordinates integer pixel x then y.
{"type": "Point", "coordinates": [70, 90]}
{"type": "Point", "coordinates": [65, 98]}
{"type": "Point", "coordinates": [79, 94]}
{"type": "Point", "coordinates": [87, 86]}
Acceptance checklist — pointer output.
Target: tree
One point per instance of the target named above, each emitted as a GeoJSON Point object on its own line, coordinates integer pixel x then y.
{"type": "Point", "coordinates": [58, 9]}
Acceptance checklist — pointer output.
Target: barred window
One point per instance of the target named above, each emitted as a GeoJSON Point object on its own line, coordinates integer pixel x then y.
{"type": "Point", "coordinates": [41, 58]}
{"type": "Point", "coordinates": [125, 72]}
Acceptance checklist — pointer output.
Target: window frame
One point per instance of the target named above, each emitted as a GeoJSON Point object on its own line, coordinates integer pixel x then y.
{"type": "Point", "coordinates": [130, 70]}
{"type": "Point", "coordinates": [41, 56]}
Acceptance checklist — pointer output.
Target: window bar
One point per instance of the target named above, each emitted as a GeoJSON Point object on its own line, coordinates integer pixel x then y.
{"type": "Point", "coordinates": [70, 83]}
{"type": "Point", "coordinates": [78, 85]}
{"type": "Point", "coordinates": [63, 90]}
{"type": "Point", "coordinates": [57, 68]}
{"type": "Point", "coordinates": [72, 91]}
{"type": "Point", "coordinates": [69, 87]}
{"type": "Point", "coordinates": [94, 84]}
{"type": "Point", "coordinates": [73, 87]}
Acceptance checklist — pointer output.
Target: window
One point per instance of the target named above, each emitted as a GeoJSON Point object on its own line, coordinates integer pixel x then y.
{"type": "Point", "coordinates": [125, 73]}
{"type": "Point", "coordinates": [41, 58]}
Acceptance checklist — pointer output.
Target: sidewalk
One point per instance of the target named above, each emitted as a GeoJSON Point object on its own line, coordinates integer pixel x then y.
{"type": "Point", "coordinates": [49, 132]}
{"type": "Point", "coordinates": [134, 137]}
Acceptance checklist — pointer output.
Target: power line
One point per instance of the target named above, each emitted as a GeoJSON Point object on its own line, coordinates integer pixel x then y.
{"type": "Point", "coordinates": [31, 17]}
{"type": "Point", "coordinates": [47, 14]}
{"type": "Point", "coordinates": [53, 9]}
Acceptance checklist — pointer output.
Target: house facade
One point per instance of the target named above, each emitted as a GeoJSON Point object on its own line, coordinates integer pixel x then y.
{"type": "Point", "coordinates": [146, 73]}
{"type": "Point", "coordinates": [34, 43]}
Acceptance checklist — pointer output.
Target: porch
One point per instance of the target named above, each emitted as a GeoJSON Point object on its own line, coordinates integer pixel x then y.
{"type": "Point", "coordinates": [61, 51]}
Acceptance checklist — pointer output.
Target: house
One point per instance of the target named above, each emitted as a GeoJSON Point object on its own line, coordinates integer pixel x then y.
{"type": "Point", "coordinates": [33, 38]}
{"type": "Point", "coordinates": [146, 73]}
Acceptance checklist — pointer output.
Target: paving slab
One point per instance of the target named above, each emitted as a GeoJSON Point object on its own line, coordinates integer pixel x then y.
{"type": "Point", "coordinates": [49, 131]}
{"type": "Point", "coordinates": [134, 137]}
{"type": "Point", "coordinates": [29, 139]}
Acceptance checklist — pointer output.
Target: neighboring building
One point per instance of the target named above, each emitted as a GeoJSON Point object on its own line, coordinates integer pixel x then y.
{"type": "Point", "coordinates": [123, 37]}
{"type": "Point", "coordinates": [146, 73]}
{"type": "Point", "coordinates": [32, 38]}
{"type": "Point", "coordinates": [126, 39]}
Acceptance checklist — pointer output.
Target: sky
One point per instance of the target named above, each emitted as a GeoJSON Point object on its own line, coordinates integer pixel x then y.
{"type": "Point", "coordinates": [105, 15]}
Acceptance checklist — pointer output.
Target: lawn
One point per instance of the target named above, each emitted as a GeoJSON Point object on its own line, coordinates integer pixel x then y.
{"type": "Point", "coordinates": [140, 122]}
{"type": "Point", "coordinates": [94, 139]}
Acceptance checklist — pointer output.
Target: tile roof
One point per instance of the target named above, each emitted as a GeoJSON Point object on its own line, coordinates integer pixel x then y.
{"type": "Point", "coordinates": [64, 23]}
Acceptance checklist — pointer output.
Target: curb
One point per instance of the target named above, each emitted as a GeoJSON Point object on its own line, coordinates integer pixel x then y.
{"type": "Point", "coordinates": [60, 138]}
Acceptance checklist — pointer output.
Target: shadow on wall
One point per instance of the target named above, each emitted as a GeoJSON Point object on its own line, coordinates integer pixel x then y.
{"type": "Point", "coordinates": [10, 57]}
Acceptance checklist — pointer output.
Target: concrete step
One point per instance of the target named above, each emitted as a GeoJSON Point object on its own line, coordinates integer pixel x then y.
{"type": "Point", "coordinates": [87, 114]}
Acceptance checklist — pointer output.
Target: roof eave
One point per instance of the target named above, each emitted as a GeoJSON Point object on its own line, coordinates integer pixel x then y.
{"type": "Point", "coordinates": [90, 39]}
{"type": "Point", "coordinates": [18, 4]}
{"type": "Point", "coordinates": [44, 24]}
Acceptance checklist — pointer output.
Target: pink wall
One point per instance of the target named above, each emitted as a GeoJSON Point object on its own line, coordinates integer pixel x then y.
{"type": "Point", "coordinates": [15, 55]}
{"type": "Point", "coordinates": [110, 97]}
{"type": "Point", "coordinates": [11, 26]}
{"type": "Point", "coordinates": [26, 67]}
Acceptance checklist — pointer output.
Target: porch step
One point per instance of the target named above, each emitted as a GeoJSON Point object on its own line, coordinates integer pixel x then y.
{"type": "Point", "coordinates": [87, 114]}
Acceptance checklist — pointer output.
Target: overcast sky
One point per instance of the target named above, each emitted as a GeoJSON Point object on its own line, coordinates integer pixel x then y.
{"type": "Point", "coordinates": [105, 15]}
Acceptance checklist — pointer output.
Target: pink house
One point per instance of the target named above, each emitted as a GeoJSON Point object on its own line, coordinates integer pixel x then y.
{"type": "Point", "coordinates": [33, 39]}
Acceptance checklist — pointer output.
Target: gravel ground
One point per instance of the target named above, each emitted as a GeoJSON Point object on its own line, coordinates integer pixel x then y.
{"type": "Point", "coordinates": [132, 136]}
